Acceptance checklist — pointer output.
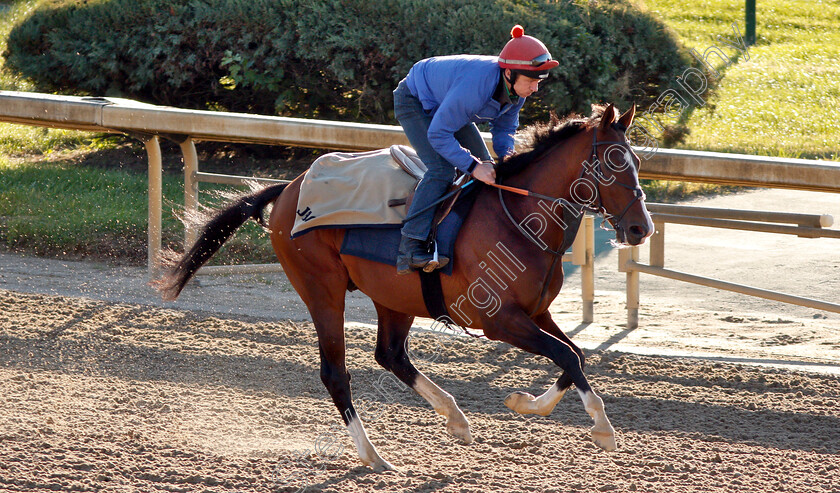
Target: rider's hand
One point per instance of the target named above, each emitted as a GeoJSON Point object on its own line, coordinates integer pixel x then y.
{"type": "Point", "coordinates": [485, 172]}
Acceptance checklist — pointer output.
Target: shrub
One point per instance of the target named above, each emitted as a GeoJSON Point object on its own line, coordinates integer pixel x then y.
{"type": "Point", "coordinates": [333, 59]}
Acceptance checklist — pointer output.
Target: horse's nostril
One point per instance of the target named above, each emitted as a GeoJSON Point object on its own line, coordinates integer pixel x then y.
{"type": "Point", "coordinates": [637, 231]}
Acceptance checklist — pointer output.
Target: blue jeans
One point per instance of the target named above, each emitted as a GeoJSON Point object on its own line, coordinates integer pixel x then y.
{"type": "Point", "coordinates": [415, 122]}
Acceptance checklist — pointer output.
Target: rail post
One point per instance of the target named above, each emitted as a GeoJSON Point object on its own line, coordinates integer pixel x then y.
{"type": "Point", "coordinates": [627, 257]}
{"type": "Point", "coordinates": [657, 244]}
{"type": "Point", "coordinates": [583, 254]}
{"type": "Point", "coordinates": [152, 144]}
{"type": "Point", "coordinates": [190, 188]}
{"type": "Point", "coordinates": [587, 271]}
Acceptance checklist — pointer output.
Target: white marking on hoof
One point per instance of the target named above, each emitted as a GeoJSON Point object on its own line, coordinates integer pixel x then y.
{"type": "Point", "coordinates": [603, 434]}
{"type": "Point", "coordinates": [367, 452]}
{"type": "Point", "coordinates": [459, 427]}
{"type": "Point", "coordinates": [445, 405]}
{"type": "Point", "coordinates": [525, 403]}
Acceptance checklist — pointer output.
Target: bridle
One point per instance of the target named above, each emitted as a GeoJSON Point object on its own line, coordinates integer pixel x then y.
{"type": "Point", "coordinates": [638, 193]}
{"type": "Point", "coordinates": [596, 169]}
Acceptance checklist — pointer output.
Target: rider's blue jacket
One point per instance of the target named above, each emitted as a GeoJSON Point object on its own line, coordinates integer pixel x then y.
{"type": "Point", "coordinates": [457, 90]}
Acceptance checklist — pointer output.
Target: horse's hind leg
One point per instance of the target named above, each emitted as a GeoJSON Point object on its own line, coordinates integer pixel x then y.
{"type": "Point", "coordinates": [391, 353]}
{"type": "Point", "coordinates": [525, 403]}
{"type": "Point", "coordinates": [514, 327]}
{"type": "Point", "coordinates": [330, 327]}
{"type": "Point", "coordinates": [321, 280]}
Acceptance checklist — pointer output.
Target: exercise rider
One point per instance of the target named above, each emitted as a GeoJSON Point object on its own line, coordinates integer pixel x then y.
{"type": "Point", "coordinates": [438, 105]}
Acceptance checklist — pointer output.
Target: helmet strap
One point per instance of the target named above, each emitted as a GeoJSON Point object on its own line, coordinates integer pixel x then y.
{"type": "Point", "coordinates": [511, 81]}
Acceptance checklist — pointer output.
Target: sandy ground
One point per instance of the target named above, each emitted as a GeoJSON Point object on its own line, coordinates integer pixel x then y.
{"type": "Point", "coordinates": [102, 396]}
{"type": "Point", "coordinates": [106, 389]}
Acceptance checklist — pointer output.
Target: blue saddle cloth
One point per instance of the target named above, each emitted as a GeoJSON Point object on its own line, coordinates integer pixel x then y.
{"type": "Point", "coordinates": [381, 244]}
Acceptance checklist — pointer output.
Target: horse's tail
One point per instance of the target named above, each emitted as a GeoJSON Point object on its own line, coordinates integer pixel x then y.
{"type": "Point", "coordinates": [213, 235]}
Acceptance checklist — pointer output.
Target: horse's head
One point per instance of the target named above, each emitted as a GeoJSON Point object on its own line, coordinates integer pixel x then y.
{"type": "Point", "coordinates": [588, 164]}
{"type": "Point", "coordinates": [613, 168]}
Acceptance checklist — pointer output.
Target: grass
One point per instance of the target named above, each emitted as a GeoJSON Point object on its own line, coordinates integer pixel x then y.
{"type": "Point", "coordinates": [670, 192]}
{"type": "Point", "coordinates": [784, 100]}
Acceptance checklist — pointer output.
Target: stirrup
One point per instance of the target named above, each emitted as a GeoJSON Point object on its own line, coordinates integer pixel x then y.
{"type": "Point", "coordinates": [437, 261]}
{"type": "Point", "coordinates": [418, 259]}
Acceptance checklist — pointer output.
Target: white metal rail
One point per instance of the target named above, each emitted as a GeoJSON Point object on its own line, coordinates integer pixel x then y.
{"type": "Point", "coordinates": [148, 123]}
{"type": "Point", "coordinates": [804, 225]}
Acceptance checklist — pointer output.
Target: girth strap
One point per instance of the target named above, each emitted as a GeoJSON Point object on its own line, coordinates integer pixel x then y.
{"type": "Point", "coordinates": [432, 290]}
{"type": "Point", "coordinates": [433, 294]}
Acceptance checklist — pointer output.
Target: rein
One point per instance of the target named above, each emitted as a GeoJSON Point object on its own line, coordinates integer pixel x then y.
{"type": "Point", "coordinates": [528, 193]}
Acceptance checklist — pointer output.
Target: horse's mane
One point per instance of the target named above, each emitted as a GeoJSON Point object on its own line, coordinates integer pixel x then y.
{"type": "Point", "coordinates": [538, 138]}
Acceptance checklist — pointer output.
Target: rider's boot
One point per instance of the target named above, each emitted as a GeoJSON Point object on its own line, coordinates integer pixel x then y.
{"type": "Point", "coordinates": [414, 255]}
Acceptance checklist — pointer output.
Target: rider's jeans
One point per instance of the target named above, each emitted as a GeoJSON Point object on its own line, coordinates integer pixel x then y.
{"type": "Point", "coordinates": [415, 122]}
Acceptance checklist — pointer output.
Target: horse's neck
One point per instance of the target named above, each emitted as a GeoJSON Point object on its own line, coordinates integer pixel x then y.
{"type": "Point", "coordinates": [554, 173]}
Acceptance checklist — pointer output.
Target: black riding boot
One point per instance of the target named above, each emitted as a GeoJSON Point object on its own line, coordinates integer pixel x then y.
{"type": "Point", "coordinates": [414, 255]}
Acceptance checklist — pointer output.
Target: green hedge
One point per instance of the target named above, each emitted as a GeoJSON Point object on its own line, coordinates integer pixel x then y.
{"type": "Point", "coordinates": [333, 59]}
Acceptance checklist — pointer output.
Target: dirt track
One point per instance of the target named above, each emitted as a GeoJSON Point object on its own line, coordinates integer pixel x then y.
{"type": "Point", "coordinates": [99, 396]}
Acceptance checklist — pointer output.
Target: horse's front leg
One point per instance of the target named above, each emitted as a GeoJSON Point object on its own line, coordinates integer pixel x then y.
{"type": "Point", "coordinates": [513, 326]}
{"type": "Point", "coordinates": [525, 403]}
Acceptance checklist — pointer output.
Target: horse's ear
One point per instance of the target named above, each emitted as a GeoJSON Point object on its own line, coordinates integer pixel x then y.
{"type": "Point", "coordinates": [608, 117]}
{"type": "Point", "coordinates": [627, 118]}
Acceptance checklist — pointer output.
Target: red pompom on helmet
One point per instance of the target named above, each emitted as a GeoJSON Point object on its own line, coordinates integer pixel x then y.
{"type": "Point", "coordinates": [526, 55]}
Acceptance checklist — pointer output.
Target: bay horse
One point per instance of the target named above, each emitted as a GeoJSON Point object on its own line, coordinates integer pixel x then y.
{"type": "Point", "coordinates": [564, 158]}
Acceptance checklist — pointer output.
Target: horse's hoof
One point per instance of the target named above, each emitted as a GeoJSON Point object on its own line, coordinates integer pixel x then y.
{"type": "Point", "coordinates": [518, 401]}
{"type": "Point", "coordinates": [384, 466]}
{"type": "Point", "coordinates": [604, 438]}
{"type": "Point", "coordinates": [460, 430]}
{"type": "Point", "coordinates": [378, 464]}
{"type": "Point", "coordinates": [524, 403]}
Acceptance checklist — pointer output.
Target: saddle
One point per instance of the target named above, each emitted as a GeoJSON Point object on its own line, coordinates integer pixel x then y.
{"type": "Point", "coordinates": [410, 162]}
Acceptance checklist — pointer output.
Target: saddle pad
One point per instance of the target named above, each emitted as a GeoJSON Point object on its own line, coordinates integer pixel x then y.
{"type": "Point", "coordinates": [382, 244]}
{"type": "Point", "coordinates": [343, 189]}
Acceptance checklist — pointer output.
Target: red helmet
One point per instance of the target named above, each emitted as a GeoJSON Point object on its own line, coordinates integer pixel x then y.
{"type": "Point", "coordinates": [526, 55]}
